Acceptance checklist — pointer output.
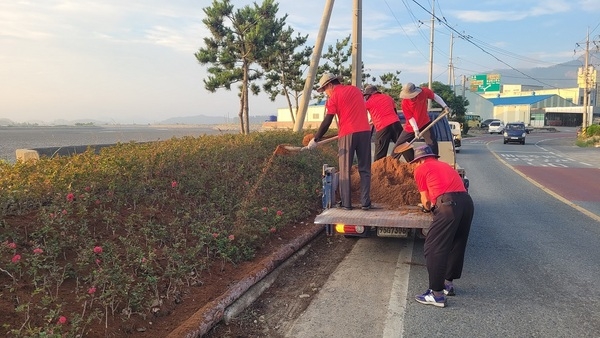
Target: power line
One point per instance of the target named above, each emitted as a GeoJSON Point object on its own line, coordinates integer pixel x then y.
{"type": "Point", "coordinates": [469, 38]}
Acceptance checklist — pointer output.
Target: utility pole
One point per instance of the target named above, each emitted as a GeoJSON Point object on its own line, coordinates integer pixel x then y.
{"type": "Point", "coordinates": [431, 50]}
{"type": "Point", "coordinates": [312, 69]}
{"type": "Point", "coordinates": [450, 65]}
{"type": "Point", "coordinates": [586, 75]}
{"type": "Point", "coordinates": [357, 44]}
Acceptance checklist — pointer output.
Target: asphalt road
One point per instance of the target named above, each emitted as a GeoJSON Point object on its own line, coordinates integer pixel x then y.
{"type": "Point", "coordinates": [530, 269]}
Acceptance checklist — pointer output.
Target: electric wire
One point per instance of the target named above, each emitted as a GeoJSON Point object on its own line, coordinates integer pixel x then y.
{"type": "Point", "coordinates": [468, 39]}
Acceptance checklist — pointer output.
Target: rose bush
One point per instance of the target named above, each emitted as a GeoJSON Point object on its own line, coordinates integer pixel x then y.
{"type": "Point", "coordinates": [126, 232]}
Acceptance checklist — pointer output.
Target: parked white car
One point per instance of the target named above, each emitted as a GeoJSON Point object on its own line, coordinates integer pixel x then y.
{"type": "Point", "coordinates": [496, 127]}
{"type": "Point", "coordinates": [456, 129]}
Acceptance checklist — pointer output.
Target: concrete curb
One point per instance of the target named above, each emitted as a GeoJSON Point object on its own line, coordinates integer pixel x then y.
{"type": "Point", "coordinates": [37, 153]}
{"type": "Point", "coordinates": [208, 316]}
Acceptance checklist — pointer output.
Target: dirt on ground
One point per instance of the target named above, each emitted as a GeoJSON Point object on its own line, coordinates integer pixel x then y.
{"type": "Point", "coordinates": [274, 312]}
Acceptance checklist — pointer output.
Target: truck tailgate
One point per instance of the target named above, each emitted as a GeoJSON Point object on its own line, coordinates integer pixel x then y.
{"type": "Point", "coordinates": [413, 218]}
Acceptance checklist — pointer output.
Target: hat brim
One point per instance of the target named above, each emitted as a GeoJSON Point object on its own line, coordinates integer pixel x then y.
{"type": "Point", "coordinates": [424, 156]}
{"type": "Point", "coordinates": [322, 87]}
{"type": "Point", "coordinates": [410, 95]}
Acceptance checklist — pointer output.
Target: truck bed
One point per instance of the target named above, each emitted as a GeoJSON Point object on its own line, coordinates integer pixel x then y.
{"type": "Point", "coordinates": [408, 217]}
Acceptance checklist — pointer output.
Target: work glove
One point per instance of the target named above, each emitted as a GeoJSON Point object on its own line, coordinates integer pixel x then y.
{"type": "Point", "coordinates": [312, 144]}
{"type": "Point", "coordinates": [417, 134]}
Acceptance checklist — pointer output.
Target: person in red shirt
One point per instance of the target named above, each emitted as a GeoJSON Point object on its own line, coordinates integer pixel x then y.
{"type": "Point", "coordinates": [444, 194]}
{"type": "Point", "coordinates": [354, 136]}
{"type": "Point", "coordinates": [414, 107]}
{"type": "Point", "coordinates": [384, 116]}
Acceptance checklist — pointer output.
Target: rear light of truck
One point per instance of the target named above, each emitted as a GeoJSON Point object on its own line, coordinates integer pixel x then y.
{"type": "Point", "coordinates": [349, 229]}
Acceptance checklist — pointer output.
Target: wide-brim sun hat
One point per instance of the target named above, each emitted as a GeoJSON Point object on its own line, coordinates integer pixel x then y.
{"type": "Point", "coordinates": [325, 79]}
{"type": "Point", "coordinates": [422, 152]}
{"type": "Point", "coordinates": [409, 91]}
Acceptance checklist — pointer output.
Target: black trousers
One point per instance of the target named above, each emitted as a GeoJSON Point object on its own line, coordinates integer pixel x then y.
{"type": "Point", "coordinates": [446, 240]}
{"type": "Point", "coordinates": [384, 137]}
{"type": "Point", "coordinates": [359, 144]}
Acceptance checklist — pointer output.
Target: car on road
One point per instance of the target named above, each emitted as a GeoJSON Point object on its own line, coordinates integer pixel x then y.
{"type": "Point", "coordinates": [456, 129]}
{"type": "Point", "coordinates": [515, 132]}
{"type": "Point", "coordinates": [496, 127]}
{"type": "Point", "coordinates": [486, 123]}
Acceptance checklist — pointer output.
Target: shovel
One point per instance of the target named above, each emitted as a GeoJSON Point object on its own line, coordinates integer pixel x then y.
{"type": "Point", "coordinates": [285, 149]}
{"type": "Point", "coordinates": [406, 145]}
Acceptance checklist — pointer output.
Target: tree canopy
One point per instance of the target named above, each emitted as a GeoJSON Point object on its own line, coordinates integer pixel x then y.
{"type": "Point", "coordinates": [286, 72]}
{"type": "Point", "coordinates": [242, 47]}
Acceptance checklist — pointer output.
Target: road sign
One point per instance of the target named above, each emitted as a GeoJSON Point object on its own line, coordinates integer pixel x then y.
{"type": "Point", "coordinates": [483, 83]}
{"type": "Point", "coordinates": [591, 77]}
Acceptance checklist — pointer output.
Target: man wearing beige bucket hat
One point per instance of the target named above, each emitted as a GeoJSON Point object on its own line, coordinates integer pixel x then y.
{"type": "Point", "coordinates": [415, 109]}
{"type": "Point", "coordinates": [384, 116]}
{"type": "Point", "coordinates": [354, 136]}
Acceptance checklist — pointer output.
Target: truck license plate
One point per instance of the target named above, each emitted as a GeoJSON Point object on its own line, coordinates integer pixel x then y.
{"type": "Point", "coordinates": [392, 232]}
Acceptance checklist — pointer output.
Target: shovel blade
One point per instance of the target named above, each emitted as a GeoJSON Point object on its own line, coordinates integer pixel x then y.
{"type": "Point", "coordinates": [402, 147]}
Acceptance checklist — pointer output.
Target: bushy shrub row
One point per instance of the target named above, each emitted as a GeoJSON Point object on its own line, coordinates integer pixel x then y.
{"type": "Point", "coordinates": [127, 229]}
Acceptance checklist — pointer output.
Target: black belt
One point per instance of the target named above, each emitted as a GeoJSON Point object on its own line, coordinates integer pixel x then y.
{"type": "Point", "coordinates": [446, 198]}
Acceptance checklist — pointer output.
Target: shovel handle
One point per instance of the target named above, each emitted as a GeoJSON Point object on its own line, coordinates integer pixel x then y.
{"type": "Point", "coordinates": [325, 141]}
{"type": "Point", "coordinates": [403, 147]}
{"type": "Point", "coordinates": [441, 116]}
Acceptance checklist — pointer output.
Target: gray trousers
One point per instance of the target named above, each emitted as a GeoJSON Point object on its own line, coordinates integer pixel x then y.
{"type": "Point", "coordinates": [359, 143]}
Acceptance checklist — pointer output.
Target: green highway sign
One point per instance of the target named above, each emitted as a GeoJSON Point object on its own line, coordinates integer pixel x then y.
{"type": "Point", "coordinates": [483, 83]}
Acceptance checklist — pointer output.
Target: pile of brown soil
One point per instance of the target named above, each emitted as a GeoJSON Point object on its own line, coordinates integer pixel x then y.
{"type": "Point", "coordinates": [392, 184]}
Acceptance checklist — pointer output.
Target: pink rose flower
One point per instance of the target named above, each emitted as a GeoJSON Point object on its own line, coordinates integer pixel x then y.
{"type": "Point", "coordinates": [70, 197]}
{"type": "Point", "coordinates": [174, 184]}
{"type": "Point", "coordinates": [62, 320]}
{"type": "Point", "coordinates": [12, 245]}
{"type": "Point", "coordinates": [38, 251]}
{"type": "Point", "coordinates": [231, 237]}
{"type": "Point", "coordinates": [272, 230]}
{"type": "Point", "coordinates": [215, 235]}
{"type": "Point", "coordinates": [92, 290]}
{"type": "Point", "coordinates": [279, 212]}
{"type": "Point", "coordinates": [98, 250]}
{"type": "Point", "coordinates": [265, 209]}
{"type": "Point", "coordinates": [16, 258]}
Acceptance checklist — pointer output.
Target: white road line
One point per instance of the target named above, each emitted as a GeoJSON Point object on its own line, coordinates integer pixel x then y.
{"type": "Point", "coordinates": [548, 191]}
{"type": "Point", "coordinates": [394, 319]}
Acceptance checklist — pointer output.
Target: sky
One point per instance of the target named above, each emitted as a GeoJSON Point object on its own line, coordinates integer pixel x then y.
{"type": "Point", "coordinates": [133, 61]}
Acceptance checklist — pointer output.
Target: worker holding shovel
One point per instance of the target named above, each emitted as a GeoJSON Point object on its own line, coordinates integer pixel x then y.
{"type": "Point", "coordinates": [384, 115]}
{"type": "Point", "coordinates": [414, 107]}
{"type": "Point", "coordinates": [354, 136]}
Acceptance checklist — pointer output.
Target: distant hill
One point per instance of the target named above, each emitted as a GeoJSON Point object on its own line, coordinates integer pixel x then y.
{"type": "Point", "coordinates": [563, 75]}
{"type": "Point", "coordinates": [203, 119]}
{"type": "Point", "coordinates": [79, 121]}
{"type": "Point", "coordinates": [6, 122]}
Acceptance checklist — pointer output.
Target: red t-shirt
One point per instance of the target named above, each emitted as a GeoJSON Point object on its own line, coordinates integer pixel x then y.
{"type": "Point", "coordinates": [382, 110]}
{"type": "Point", "coordinates": [349, 104]}
{"type": "Point", "coordinates": [417, 108]}
{"type": "Point", "coordinates": [437, 178]}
